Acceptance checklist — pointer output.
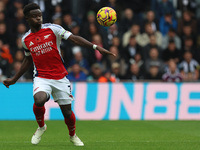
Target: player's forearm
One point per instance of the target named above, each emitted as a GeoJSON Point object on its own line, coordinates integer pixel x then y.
{"type": "Point", "coordinates": [27, 62]}
{"type": "Point", "coordinates": [81, 41]}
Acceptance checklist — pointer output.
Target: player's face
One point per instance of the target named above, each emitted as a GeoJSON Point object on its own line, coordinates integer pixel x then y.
{"type": "Point", "coordinates": [35, 18]}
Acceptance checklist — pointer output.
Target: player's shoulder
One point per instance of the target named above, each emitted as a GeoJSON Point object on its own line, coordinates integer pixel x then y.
{"type": "Point", "coordinates": [26, 34]}
{"type": "Point", "coordinates": [51, 25]}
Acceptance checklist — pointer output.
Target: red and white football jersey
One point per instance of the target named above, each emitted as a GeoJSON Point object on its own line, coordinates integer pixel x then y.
{"type": "Point", "coordinates": [44, 47]}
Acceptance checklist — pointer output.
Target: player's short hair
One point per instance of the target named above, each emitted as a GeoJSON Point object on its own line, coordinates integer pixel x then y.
{"type": "Point", "coordinates": [29, 7]}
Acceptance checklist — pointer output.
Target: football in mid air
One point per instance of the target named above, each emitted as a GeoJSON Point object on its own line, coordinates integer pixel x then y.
{"type": "Point", "coordinates": [106, 16]}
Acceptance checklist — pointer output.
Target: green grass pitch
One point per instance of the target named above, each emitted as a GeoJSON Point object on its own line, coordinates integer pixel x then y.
{"type": "Point", "coordinates": [104, 135]}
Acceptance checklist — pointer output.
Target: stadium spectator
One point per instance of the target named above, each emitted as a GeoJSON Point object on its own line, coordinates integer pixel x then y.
{"type": "Point", "coordinates": [134, 73]}
{"type": "Point", "coordinates": [188, 45]}
{"type": "Point", "coordinates": [112, 32]}
{"type": "Point", "coordinates": [115, 72]}
{"type": "Point", "coordinates": [171, 35]}
{"type": "Point", "coordinates": [187, 32]}
{"type": "Point", "coordinates": [153, 73]}
{"type": "Point", "coordinates": [19, 56]}
{"type": "Point", "coordinates": [154, 61]}
{"type": "Point", "coordinates": [189, 67]}
{"type": "Point", "coordinates": [57, 12]}
{"type": "Point", "coordinates": [127, 20]}
{"type": "Point", "coordinates": [16, 67]}
{"type": "Point", "coordinates": [107, 77]}
{"type": "Point", "coordinates": [150, 18]}
{"type": "Point", "coordinates": [67, 21]}
{"type": "Point", "coordinates": [108, 61]}
{"type": "Point", "coordinates": [152, 44]}
{"type": "Point", "coordinates": [167, 22]}
{"type": "Point", "coordinates": [163, 7]}
{"type": "Point", "coordinates": [4, 34]}
{"type": "Point", "coordinates": [76, 74]}
{"type": "Point", "coordinates": [90, 19]}
{"type": "Point", "coordinates": [171, 53]}
{"type": "Point", "coordinates": [187, 19]}
{"type": "Point", "coordinates": [172, 73]}
{"type": "Point", "coordinates": [135, 30]}
{"type": "Point", "coordinates": [96, 73]}
{"type": "Point", "coordinates": [79, 59]}
{"type": "Point", "coordinates": [144, 38]}
{"type": "Point", "coordinates": [131, 49]}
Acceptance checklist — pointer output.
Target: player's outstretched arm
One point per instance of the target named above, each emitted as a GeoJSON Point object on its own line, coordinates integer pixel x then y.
{"type": "Point", "coordinates": [27, 62]}
{"type": "Point", "coordinates": [85, 43]}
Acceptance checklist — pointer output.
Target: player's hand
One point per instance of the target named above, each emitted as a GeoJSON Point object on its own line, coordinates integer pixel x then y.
{"type": "Point", "coordinates": [104, 51]}
{"type": "Point", "coordinates": [9, 82]}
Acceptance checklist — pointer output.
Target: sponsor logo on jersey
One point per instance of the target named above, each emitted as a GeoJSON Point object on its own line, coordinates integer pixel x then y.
{"type": "Point", "coordinates": [31, 43]}
{"type": "Point", "coordinates": [42, 49]}
{"type": "Point", "coordinates": [47, 36]}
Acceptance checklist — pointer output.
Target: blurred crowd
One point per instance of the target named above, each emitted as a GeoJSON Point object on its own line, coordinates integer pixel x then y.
{"type": "Point", "coordinates": [153, 39]}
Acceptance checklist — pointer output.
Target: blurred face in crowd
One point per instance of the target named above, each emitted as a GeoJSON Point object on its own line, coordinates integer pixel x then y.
{"type": "Point", "coordinates": [58, 9]}
{"type": "Point", "coordinates": [188, 56]}
{"type": "Point", "coordinates": [67, 19]}
{"type": "Point", "coordinates": [137, 57]}
{"type": "Point", "coordinates": [148, 29]}
{"type": "Point", "coordinates": [135, 29]}
{"type": "Point", "coordinates": [114, 50]}
{"type": "Point", "coordinates": [150, 16]}
{"type": "Point", "coordinates": [153, 40]}
{"type": "Point", "coordinates": [20, 14]}
{"type": "Point", "coordinates": [128, 13]}
{"type": "Point", "coordinates": [76, 68]}
{"type": "Point", "coordinates": [2, 16]}
{"type": "Point", "coordinates": [96, 69]}
{"type": "Point", "coordinates": [91, 18]}
{"type": "Point", "coordinates": [171, 34]}
{"type": "Point", "coordinates": [97, 39]}
{"type": "Point", "coordinates": [17, 66]}
{"type": "Point", "coordinates": [19, 56]}
{"type": "Point", "coordinates": [113, 28]}
{"type": "Point", "coordinates": [132, 41]}
{"type": "Point", "coordinates": [188, 43]}
{"type": "Point", "coordinates": [115, 41]}
{"type": "Point", "coordinates": [172, 66]}
{"type": "Point", "coordinates": [186, 16]}
{"type": "Point", "coordinates": [187, 30]}
{"type": "Point", "coordinates": [171, 46]}
{"type": "Point", "coordinates": [93, 28]}
{"type": "Point", "coordinates": [134, 69]}
{"type": "Point", "coordinates": [153, 53]}
{"type": "Point", "coordinates": [168, 18]}
{"type": "Point", "coordinates": [2, 6]}
{"type": "Point", "coordinates": [21, 28]}
{"type": "Point", "coordinates": [2, 28]}
{"type": "Point", "coordinates": [75, 30]}
{"type": "Point", "coordinates": [115, 68]}
{"type": "Point", "coordinates": [154, 70]}
{"type": "Point", "coordinates": [78, 56]}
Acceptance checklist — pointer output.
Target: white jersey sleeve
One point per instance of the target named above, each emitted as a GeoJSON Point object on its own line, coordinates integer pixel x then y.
{"type": "Point", "coordinates": [26, 51]}
{"type": "Point", "coordinates": [60, 31]}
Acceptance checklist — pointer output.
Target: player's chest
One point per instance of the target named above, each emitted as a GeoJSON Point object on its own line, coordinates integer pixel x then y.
{"type": "Point", "coordinates": [40, 40]}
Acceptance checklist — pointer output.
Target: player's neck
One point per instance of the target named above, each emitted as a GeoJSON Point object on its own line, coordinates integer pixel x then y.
{"type": "Point", "coordinates": [35, 29]}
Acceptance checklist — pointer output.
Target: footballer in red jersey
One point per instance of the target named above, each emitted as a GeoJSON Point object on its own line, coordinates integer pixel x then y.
{"type": "Point", "coordinates": [42, 48]}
